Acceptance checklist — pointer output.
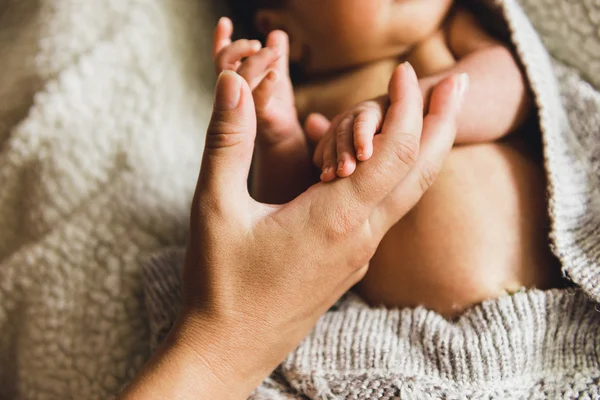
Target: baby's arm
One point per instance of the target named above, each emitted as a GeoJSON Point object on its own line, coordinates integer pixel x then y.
{"type": "Point", "coordinates": [498, 101]}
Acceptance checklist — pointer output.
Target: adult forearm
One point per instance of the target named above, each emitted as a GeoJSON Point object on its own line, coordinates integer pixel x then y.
{"type": "Point", "coordinates": [192, 364]}
{"type": "Point", "coordinates": [498, 101]}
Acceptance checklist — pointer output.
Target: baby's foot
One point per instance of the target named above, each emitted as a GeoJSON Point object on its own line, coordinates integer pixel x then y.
{"type": "Point", "coordinates": [267, 73]}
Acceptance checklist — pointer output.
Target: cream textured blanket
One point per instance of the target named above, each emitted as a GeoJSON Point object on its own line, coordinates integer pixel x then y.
{"type": "Point", "coordinates": [102, 109]}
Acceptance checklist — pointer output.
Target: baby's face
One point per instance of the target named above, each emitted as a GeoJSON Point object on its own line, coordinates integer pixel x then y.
{"type": "Point", "coordinates": [333, 34]}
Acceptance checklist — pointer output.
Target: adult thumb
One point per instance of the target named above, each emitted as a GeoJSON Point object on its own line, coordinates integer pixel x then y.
{"type": "Point", "coordinates": [229, 139]}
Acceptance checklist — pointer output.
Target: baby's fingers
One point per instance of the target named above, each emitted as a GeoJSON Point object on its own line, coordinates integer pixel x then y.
{"type": "Point", "coordinates": [222, 35]}
{"type": "Point", "coordinates": [230, 57]}
{"type": "Point", "coordinates": [329, 157]}
{"type": "Point", "coordinates": [264, 91]}
{"type": "Point", "coordinates": [253, 69]}
{"type": "Point", "coordinates": [280, 40]}
{"type": "Point", "coordinates": [321, 137]}
{"type": "Point", "coordinates": [346, 162]}
{"type": "Point", "coordinates": [366, 125]}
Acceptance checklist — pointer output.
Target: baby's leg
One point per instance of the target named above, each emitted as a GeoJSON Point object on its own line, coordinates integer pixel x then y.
{"type": "Point", "coordinates": [480, 231]}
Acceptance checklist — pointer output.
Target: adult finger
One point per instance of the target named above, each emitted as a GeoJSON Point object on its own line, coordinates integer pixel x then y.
{"type": "Point", "coordinates": [395, 149]}
{"type": "Point", "coordinates": [222, 35]}
{"type": "Point", "coordinates": [439, 132]}
{"type": "Point", "coordinates": [229, 58]}
{"type": "Point", "coordinates": [229, 140]}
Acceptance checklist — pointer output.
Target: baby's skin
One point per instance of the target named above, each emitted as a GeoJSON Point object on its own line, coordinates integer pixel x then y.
{"type": "Point", "coordinates": [481, 230]}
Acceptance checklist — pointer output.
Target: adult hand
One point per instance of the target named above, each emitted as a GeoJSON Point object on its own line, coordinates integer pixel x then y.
{"type": "Point", "coordinates": [258, 277]}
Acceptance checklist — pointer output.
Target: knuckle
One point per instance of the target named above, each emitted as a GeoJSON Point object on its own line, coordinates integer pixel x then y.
{"type": "Point", "coordinates": [428, 173]}
{"type": "Point", "coordinates": [221, 61]}
{"type": "Point", "coordinates": [222, 134]}
{"type": "Point", "coordinates": [250, 62]}
{"type": "Point", "coordinates": [344, 127]}
{"type": "Point", "coordinates": [340, 224]}
{"type": "Point", "coordinates": [406, 149]}
{"type": "Point", "coordinates": [362, 127]}
{"type": "Point", "coordinates": [210, 209]}
{"type": "Point", "coordinates": [329, 149]}
{"type": "Point", "coordinates": [369, 109]}
{"type": "Point", "coordinates": [366, 108]}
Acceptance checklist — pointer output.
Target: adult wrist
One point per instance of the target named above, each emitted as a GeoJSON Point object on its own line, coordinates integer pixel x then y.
{"type": "Point", "coordinates": [193, 363]}
{"type": "Point", "coordinates": [233, 355]}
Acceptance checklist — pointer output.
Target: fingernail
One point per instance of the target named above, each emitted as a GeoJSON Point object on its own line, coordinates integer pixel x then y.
{"type": "Point", "coordinates": [462, 87]}
{"type": "Point", "coordinates": [360, 153]}
{"type": "Point", "coordinates": [229, 91]}
{"type": "Point", "coordinates": [409, 68]}
{"type": "Point", "coordinates": [341, 165]}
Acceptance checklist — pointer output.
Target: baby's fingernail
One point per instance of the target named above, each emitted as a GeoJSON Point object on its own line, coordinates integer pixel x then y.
{"type": "Point", "coordinates": [462, 87]}
{"type": "Point", "coordinates": [409, 68]}
{"type": "Point", "coordinates": [341, 165]}
{"type": "Point", "coordinates": [228, 91]}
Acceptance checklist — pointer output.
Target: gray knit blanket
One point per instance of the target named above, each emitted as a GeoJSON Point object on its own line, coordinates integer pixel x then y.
{"type": "Point", "coordinates": [533, 344]}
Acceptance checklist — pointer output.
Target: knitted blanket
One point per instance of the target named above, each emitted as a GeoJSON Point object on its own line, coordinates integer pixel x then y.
{"type": "Point", "coordinates": [103, 105]}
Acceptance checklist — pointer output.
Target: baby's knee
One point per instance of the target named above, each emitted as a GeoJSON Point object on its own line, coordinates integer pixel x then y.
{"type": "Point", "coordinates": [479, 232]}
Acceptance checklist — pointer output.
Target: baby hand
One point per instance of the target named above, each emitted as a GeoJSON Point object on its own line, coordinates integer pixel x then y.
{"type": "Point", "coordinates": [266, 71]}
{"type": "Point", "coordinates": [349, 138]}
